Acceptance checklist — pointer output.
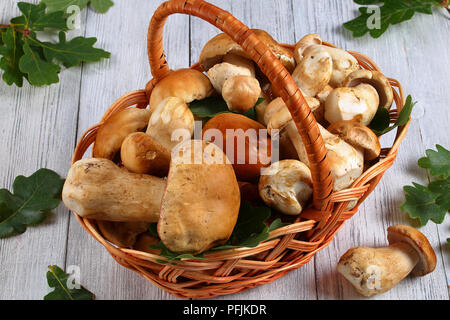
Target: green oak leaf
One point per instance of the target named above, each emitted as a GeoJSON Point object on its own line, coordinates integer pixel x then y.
{"type": "Point", "coordinates": [442, 189]}
{"type": "Point", "coordinates": [73, 52]}
{"type": "Point", "coordinates": [33, 197]}
{"type": "Point", "coordinates": [153, 230]}
{"type": "Point", "coordinates": [391, 12]}
{"type": "Point", "coordinates": [212, 106]}
{"type": "Point", "coordinates": [421, 203]}
{"type": "Point", "coordinates": [59, 281]}
{"type": "Point", "coordinates": [40, 72]}
{"type": "Point", "coordinates": [35, 18]}
{"type": "Point", "coordinates": [101, 6]}
{"type": "Point", "coordinates": [173, 256]}
{"type": "Point", "coordinates": [381, 121]}
{"type": "Point", "coordinates": [277, 224]}
{"type": "Point", "coordinates": [437, 161]}
{"type": "Point", "coordinates": [12, 52]}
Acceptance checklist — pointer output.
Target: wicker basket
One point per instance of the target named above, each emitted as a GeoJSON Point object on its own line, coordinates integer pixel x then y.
{"type": "Point", "coordinates": [235, 270]}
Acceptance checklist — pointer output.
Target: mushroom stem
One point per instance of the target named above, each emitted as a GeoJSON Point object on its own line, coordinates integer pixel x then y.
{"type": "Point", "coordinates": [373, 271]}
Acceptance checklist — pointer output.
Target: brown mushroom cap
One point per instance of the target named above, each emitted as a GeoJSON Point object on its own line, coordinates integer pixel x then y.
{"type": "Point", "coordinates": [358, 136]}
{"type": "Point", "coordinates": [377, 80]}
{"type": "Point", "coordinates": [417, 240]}
{"type": "Point", "coordinates": [222, 44]}
{"type": "Point", "coordinates": [186, 84]}
{"type": "Point", "coordinates": [122, 234]}
{"type": "Point", "coordinates": [201, 202]}
{"type": "Point", "coordinates": [140, 153]}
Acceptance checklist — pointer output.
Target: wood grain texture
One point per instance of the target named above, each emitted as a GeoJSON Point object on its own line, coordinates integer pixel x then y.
{"type": "Point", "coordinates": [39, 128]}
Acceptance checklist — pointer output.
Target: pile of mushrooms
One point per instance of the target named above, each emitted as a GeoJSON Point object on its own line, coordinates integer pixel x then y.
{"type": "Point", "coordinates": [137, 175]}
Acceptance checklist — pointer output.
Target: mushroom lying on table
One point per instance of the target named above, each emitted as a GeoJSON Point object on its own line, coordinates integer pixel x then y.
{"type": "Point", "coordinates": [374, 271]}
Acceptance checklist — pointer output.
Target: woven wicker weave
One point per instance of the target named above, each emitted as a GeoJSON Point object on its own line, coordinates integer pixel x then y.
{"type": "Point", "coordinates": [232, 271]}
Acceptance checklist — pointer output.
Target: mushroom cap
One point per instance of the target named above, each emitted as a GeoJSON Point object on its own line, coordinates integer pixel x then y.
{"type": "Point", "coordinates": [115, 129]}
{"type": "Point", "coordinates": [122, 234]}
{"type": "Point", "coordinates": [314, 71]}
{"type": "Point", "coordinates": [140, 153]}
{"type": "Point", "coordinates": [241, 93]}
{"type": "Point", "coordinates": [224, 71]}
{"type": "Point", "coordinates": [304, 43]}
{"type": "Point", "coordinates": [186, 84]}
{"type": "Point", "coordinates": [170, 115]}
{"type": "Point", "coordinates": [288, 187]}
{"type": "Point", "coordinates": [343, 64]}
{"type": "Point", "coordinates": [215, 49]}
{"type": "Point", "coordinates": [201, 202]}
{"type": "Point", "coordinates": [377, 80]}
{"type": "Point", "coordinates": [417, 240]}
{"type": "Point", "coordinates": [358, 136]}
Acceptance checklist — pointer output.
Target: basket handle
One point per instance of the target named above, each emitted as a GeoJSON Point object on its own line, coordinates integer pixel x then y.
{"type": "Point", "coordinates": [269, 65]}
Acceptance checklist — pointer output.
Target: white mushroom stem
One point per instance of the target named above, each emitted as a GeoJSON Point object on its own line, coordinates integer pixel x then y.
{"type": "Point", "coordinates": [346, 163]}
{"type": "Point", "coordinates": [359, 104]}
{"type": "Point", "coordinates": [373, 271]}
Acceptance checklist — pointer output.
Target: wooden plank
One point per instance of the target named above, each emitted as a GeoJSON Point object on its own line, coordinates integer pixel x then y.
{"type": "Point", "coordinates": [276, 18]}
{"type": "Point", "coordinates": [123, 32]}
{"type": "Point", "coordinates": [38, 130]}
{"type": "Point", "coordinates": [381, 209]}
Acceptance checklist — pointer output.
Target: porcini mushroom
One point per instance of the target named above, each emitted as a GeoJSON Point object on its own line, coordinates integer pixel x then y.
{"type": "Point", "coordinates": [142, 154]}
{"type": "Point", "coordinates": [358, 136]}
{"type": "Point", "coordinates": [235, 80]}
{"type": "Point", "coordinates": [346, 162]}
{"type": "Point", "coordinates": [287, 186]}
{"type": "Point", "coordinates": [170, 115]}
{"type": "Point", "coordinates": [201, 201]}
{"type": "Point", "coordinates": [359, 103]}
{"type": "Point", "coordinates": [304, 43]}
{"type": "Point", "coordinates": [376, 270]}
{"type": "Point", "coordinates": [115, 129]}
{"type": "Point", "coordinates": [241, 93]}
{"type": "Point", "coordinates": [314, 71]}
{"type": "Point", "coordinates": [196, 208]}
{"type": "Point", "coordinates": [186, 84]}
{"type": "Point", "coordinates": [343, 62]}
{"type": "Point", "coordinates": [377, 80]}
{"type": "Point", "coordinates": [98, 189]}
{"type": "Point", "coordinates": [122, 234]}
{"type": "Point", "coordinates": [216, 48]}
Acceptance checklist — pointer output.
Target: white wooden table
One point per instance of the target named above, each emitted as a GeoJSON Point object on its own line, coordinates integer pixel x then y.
{"type": "Point", "coordinates": [40, 126]}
